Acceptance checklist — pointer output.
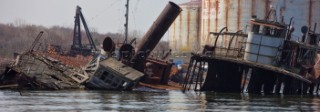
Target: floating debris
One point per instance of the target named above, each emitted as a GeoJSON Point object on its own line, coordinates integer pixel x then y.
{"type": "Point", "coordinates": [31, 71]}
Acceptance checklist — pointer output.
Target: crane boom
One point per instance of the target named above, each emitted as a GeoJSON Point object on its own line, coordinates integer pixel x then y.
{"type": "Point", "coordinates": [77, 46]}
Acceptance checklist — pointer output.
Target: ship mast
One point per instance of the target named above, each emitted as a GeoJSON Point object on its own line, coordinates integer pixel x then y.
{"type": "Point", "coordinates": [126, 24]}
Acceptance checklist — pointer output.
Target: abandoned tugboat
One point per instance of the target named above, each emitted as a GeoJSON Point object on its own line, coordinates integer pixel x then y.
{"type": "Point", "coordinates": [265, 60]}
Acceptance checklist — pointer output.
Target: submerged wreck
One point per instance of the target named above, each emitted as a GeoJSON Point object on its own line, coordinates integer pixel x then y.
{"type": "Point", "coordinates": [36, 70]}
{"type": "Point", "coordinates": [265, 60]}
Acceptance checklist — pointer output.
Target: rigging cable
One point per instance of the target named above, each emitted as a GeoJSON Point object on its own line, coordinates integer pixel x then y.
{"type": "Point", "coordinates": [105, 9]}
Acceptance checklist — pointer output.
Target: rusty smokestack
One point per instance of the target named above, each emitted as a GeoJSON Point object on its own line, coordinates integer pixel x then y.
{"type": "Point", "coordinates": [154, 34]}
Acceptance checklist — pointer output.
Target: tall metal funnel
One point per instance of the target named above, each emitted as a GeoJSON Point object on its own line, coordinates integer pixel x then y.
{"type": "Point", "coordinates": [154, 34]}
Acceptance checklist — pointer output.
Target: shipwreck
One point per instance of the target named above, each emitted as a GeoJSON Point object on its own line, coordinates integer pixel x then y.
{"type": "Point", "coordinates": [265, 60]}
{"type": "Point", "coordinates": [38, 70]}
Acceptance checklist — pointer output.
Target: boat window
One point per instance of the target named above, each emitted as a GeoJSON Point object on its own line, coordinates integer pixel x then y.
{"type": "Point", "coordinates": [255, 28]}
{"type": "Point", "coordinates": [267, 30]}
{"type": "Point", "coordinates": [102, 77]}
{"type": "Point", "coordinates": [272, 31]}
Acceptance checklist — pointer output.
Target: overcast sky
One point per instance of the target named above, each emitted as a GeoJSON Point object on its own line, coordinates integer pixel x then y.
{"type": "Point", "coordinates": [101, 15]}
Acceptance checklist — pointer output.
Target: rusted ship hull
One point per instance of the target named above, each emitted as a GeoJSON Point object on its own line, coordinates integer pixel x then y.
{"type": "Point", "coordinates": [234, 75]}
{"type": "Point", "coordinates": [266, 62]}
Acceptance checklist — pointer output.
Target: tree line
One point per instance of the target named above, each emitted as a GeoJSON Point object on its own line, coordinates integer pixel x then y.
{"type": "Point", "coordinates": [17, 38]}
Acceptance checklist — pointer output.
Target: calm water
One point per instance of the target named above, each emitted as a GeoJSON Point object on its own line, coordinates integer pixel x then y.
{"type": "Point", "coordinates": [151, 101]}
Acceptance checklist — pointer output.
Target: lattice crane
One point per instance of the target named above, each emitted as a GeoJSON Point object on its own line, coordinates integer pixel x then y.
{"type": "Point", "coordinates": [77, 46]}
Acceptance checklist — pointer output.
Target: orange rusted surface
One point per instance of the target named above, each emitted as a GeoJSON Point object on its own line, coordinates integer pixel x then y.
{"type": "Point", "coordinates": [170, 86]}
{"type": "Point", "coordinates": [227, 12]}
{"type": "Point", "coordinates": [239, 15]}
{"type": "Point", "coordinates": [217, 12]}
{"type": "Point", "coordinates": [303, 11]}
{"type": "Point", "coordinates": [188, 28]}
{"type": "Point", "coordinates": [161, 71]}
{"type": "Point", "coordinates": [76, 61]}
{"type": "Point", "coordinates": [316, 72]}
{"type": "Point", "coordinates": [4, 61]}
{"type": "Point", "coordinates": [253, 6]}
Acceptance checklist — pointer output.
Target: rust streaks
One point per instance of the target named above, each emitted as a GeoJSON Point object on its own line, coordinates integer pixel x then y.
{"type": "Point", "coordinates": [253, 7]}
{"type": "Point", "coordinates": [209, 21]}
{"type": "Point", "coordinates": [180, 33]}
{"type": "Point", "coordinates": [188, 29]}
{"type": "Point", "coordinates": [217, 14]}
{"type": "Point", "coordinates": [227, 12]}
{"type": "Point", "coordinates": [310, 13]}
{"type": "Point", "coordinates": [239, 15]}
{"type": "Point", "coordinates": [267, 8]}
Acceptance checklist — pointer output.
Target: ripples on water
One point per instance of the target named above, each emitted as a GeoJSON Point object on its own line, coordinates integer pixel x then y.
{"type": "Point", "coordinates": [151, 101]}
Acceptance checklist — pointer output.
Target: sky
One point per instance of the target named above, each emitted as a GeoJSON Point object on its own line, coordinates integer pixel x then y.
{"type": "Point", "coordinates": [102, 16]}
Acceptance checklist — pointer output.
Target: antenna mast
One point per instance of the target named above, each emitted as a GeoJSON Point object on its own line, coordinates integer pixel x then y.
{"type": "Point", "coordinates": [126, 25]}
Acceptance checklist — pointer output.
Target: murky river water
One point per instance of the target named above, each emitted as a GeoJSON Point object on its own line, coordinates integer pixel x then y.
{"type": "Point", "coordinates": [74, 100]}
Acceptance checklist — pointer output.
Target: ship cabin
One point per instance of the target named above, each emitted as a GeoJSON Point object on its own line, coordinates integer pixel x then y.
{"type": "Point", "coordinates": [265, 42]}
{"type": "Point", "coordinates": [114, 75]}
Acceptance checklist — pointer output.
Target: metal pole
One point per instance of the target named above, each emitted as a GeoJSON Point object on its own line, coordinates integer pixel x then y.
{"type": "Point", "coordinates": [231, 41]}
{"type": "Point", "coordinates": [185, 83]}
{"type": "Point", "coordinates": [127, 20]}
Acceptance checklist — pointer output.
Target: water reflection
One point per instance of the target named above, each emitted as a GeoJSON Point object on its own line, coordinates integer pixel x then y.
{"type": "Point", "coordinates": [152, 101]}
